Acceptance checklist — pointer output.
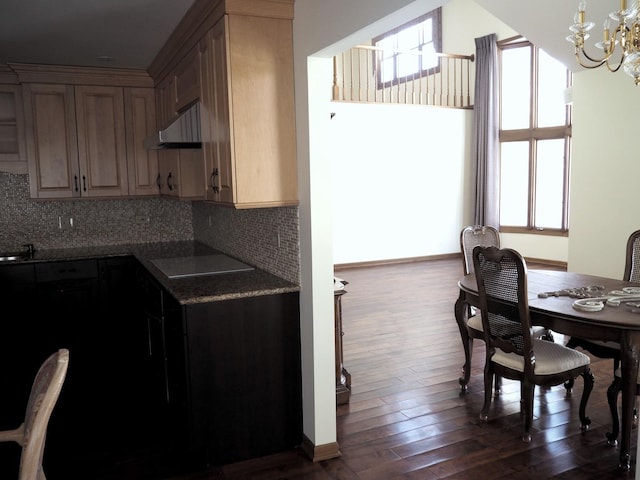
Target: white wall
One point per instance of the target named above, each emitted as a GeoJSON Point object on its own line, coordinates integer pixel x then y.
{"type": "Point", "coordinates": [320, 30]}
{"type": "Point", "coordinates": [398, 180]}
{"type": "Point", "coordinates": [605, 174]}
{"type": "Point", "coordinates": [402, 191]}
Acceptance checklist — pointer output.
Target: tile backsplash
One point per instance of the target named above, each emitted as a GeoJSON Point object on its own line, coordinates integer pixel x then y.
{"type": "Point", "coordinates": [267, 238]}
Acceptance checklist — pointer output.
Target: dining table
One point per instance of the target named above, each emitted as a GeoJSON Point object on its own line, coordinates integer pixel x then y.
{"type": "Point", "coordinates": [585, 306]}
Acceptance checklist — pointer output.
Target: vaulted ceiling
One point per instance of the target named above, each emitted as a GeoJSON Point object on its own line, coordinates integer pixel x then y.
{"type": "Point", "coordinates": [131, 32]}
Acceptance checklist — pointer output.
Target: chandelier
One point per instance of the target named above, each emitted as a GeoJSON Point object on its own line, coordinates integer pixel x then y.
{"type": "Point", "coordinates": [620, 43]}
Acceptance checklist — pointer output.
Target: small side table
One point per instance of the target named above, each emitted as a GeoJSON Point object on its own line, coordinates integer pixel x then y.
{"type": "Point", "coordinates": [343, 377]}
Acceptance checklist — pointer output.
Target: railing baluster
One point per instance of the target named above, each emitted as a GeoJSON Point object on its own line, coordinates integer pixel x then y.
{"type": "Point", "coordinates": [426, 87]}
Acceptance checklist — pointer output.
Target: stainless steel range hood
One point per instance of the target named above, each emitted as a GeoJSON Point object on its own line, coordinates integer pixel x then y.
{"type": "Point", "coordinates": [184, 132]}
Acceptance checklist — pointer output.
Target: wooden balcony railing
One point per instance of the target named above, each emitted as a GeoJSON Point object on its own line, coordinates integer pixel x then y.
{"type": "Point", "coordinates": [357, 73]}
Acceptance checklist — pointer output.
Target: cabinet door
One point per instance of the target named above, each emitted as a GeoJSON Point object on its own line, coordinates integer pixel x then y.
{"type": "Point", "coordinates": [102, 152]}
{"type": "Point", "coordinates": [187, 78]}
{"type": "Point", "coordinates": [166, 102]}
{"type": "Point", "coordinates": [168, 172]}
{"type": "Point", "coordinates": [180, 173]}
{"type": "Point", "coordinates": [142, 163]}
{"type": "Point", "coordinates": [263, 113]}
{"type": "Point", "coordinates": [248, 112]}
{"type": "Point", "coordinates": [215, 115]}
{"type": "Point", "coordinates": [244, 376]}
{"type": "Point", "coordinates": [52, 146]}
{"type": "Point", "coordinates": [13, 150]}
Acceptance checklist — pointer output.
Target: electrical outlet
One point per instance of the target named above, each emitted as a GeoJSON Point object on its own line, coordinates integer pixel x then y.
{"type": "Point", "coordinates": [65, 222]}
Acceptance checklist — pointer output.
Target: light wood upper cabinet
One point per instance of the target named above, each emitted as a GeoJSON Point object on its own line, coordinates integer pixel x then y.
{"type": "Point", "coordinates": [165, 102]}
{"type": "Point", "coordinates": [86, 141]}
{"type": "Point", "coordinates": [13, 150]}
{"type": "Point", "coordinates": [140, 122]}
{"type": "Point", "coordinates": [248, 116]}
{"type": "Point", "coordinates": [102, 149]}
{"type": "Point", "coordinates": [180, 173]}
{"type": "Point", "coordinates": [52, 146]}
{"type": "Point", "coordinates": [187, 80]}
{"type": "Point", "coordinates": [215, 119]}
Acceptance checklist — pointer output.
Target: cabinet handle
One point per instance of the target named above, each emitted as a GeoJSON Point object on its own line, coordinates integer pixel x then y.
{"type": "Point", "coordinates": [149, 335]}
{"type": "Point", "coordinates": [159, 182]}
{"type": "Point", "coordinates": [214, 187]}
{"type": "Point", "coordinates": [169, 184]}
{"type": "Point", "coordinates": [84, 183]}
{"type": "Point", "coordinates": [75, 182]}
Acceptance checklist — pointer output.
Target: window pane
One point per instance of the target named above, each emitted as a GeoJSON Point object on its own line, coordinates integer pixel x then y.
{"type": "Point", "coordinates": [516, 88]}
{"type": "Point", "coordinates": [408, 63]}
{"type": "Point", "coordinates": [514, 183]}
{"type": "Point", "coordinates": [429, 59]}
{"type": "Point", "coordinates": [387, 72]}
{"type": "Point", "coordinates": [549, 184]}
{"type": "Point", "coordinates": [427, 30]}
{"type": "Point", "coordinates": [409, 38]}
{"type": "Point", "coordinates": [388, 46]}
{"type": "Point", "coordinates": [552, 79]}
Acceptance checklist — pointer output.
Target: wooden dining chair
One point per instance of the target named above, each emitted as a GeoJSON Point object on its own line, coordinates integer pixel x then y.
{"type": "Point", "coordinates": [512, 351]}
{"type": "Point", "coordinates": [606, 349]}
{"type": "Point", "coordinates": [470, 237]}
{"type": "Point", "coordinates": [31, 434]}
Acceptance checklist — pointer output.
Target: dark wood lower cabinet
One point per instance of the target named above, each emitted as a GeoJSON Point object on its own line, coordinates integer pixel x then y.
{"type": "Point", "coordinates": [244, 376]}
{"type": "Point", "coordinates": [154, 388]}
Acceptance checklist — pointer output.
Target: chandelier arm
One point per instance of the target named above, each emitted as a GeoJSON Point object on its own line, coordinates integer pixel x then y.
{"type": "Point", "coordinates": [596, 64]}
{"type": "Point", "coordinates": [613, 70]}
{"type": "Point", "coordinates": [599, 61]}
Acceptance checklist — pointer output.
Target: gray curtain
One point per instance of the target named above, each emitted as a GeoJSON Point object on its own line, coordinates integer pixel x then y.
{"type": "Point", "coordinates": [485, 148]}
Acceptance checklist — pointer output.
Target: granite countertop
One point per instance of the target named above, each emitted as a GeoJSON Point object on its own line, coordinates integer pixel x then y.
{"type": "Point", "coordinates": [187, 290]}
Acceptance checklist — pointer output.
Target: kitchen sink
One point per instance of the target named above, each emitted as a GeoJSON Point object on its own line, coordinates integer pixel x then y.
{"type": "Point", "coordinates": [16, 256]}
{"type": "Point", "coordinates": [12, 257]}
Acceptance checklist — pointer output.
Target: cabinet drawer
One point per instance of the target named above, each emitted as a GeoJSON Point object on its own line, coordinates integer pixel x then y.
{"type": "Point", "coordinates": [12, 274]}
{"type": "Point", "coordinates": [55, 271]}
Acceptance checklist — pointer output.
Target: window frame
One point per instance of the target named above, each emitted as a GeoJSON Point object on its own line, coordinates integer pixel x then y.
{"type": "Point", "coordinates": [436, 16]}
{"type": "Point", "coordinates": [532, 135]}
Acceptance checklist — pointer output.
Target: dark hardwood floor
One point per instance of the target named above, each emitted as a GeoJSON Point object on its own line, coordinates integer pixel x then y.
{"type": "Point", "coordinates": [407, 418]}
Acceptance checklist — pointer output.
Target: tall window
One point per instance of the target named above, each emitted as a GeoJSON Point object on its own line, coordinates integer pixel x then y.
{"type": "Point", "coordinates": [535, 140]}
{"type": "Point", "coordinates": [408, 49]}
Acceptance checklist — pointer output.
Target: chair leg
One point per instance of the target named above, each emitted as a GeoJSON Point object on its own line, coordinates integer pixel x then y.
{"type": "Point", "coordinates": [526, 402]}
{"type": "Point", "coordinates": [612, 398]}
{"type": "Point", "coordinates": [488, 386]}
{"type": "Point", "coordinates": [467, 343]}
{"type": "Point", "coordinates": [462, 311]}
{"type": "Point", "coordinates": [586, 392]}
{"type": "Point", "coordinates": [568, 385]}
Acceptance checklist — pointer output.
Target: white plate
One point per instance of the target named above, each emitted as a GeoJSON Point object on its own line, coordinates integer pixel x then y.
{"type": "Point", "coordinates": [588, 305]}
